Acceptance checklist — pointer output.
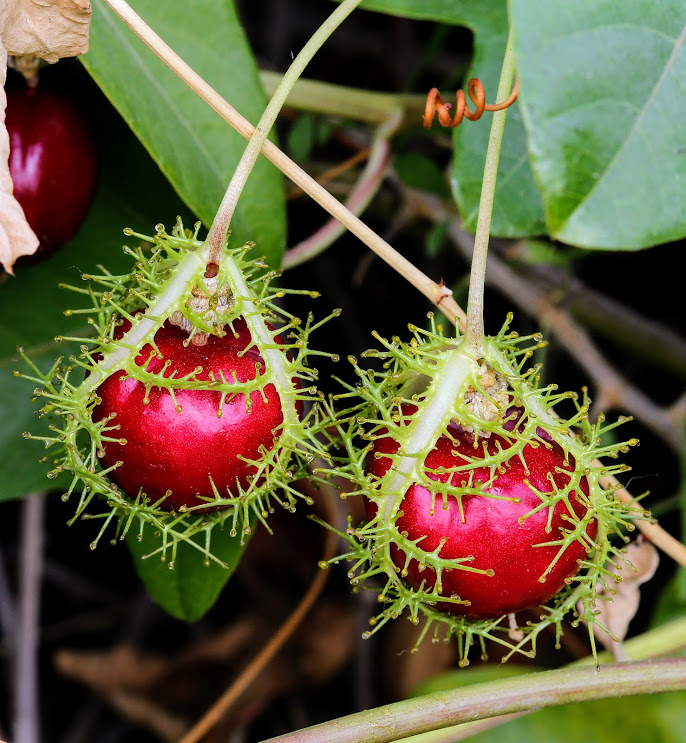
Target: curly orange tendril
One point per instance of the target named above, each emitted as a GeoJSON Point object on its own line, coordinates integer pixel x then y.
{"type": "Point", "coordinates": [477, 94]}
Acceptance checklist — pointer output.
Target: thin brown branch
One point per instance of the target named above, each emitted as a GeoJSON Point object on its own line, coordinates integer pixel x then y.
{"type": "Point", "coordinates": [278, 640]}
{"type": "Point", "coordinates": [27, 718]}
{"type": "Point", "coordinates": [612, 319]}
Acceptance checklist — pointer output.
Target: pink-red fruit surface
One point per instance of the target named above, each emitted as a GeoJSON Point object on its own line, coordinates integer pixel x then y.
{"type": "Point", "coordinates": [53, 162]}
{"type": "Point", "coordinates": [491, 530]}
{"type": "Point", "coordinates": [175, 444]}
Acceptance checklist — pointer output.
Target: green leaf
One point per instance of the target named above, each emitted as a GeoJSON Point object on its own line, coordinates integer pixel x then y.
{"type": "Point", "coordinates": [456, 12]}
{"type": "Point", "coordinates": [301, 138]}
{"type": "Point", "coordinates": [417, 171]}
{"type": "Point", "coordinates": [518, 209]}
{"type": "Point", "coordinates": [660, 717]}
{"type": "Point", "coordinates": [191, 588]}
{"type": "Point", "coordinates": [196, 150]}
{"type": "Point", "coordinates": [602, 96]}
{"type": "Point", "coordinates": [671, 603]}
{"type": "Point", "coordinates": [32, 305]}
{"type": "Point", "coordinates": [436, 238]}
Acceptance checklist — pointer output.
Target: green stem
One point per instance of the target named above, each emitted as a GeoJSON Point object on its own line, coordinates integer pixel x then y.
{"type": "Point", "coordinates": [372, 107]}
{"type": "Point", "coordinates": [443, 709]}
{"type": "Point", "coordinates": [220, 226]}
{"type": "Point", "coordinates": [664, 640]}
{"type": "Point", "coordinates": [474, 331]}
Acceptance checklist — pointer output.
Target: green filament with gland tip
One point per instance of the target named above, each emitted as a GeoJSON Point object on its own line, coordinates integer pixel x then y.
{"type": "Point", "coordinates": [432, 372]}
{"type": "Point", "coordinates": [161, 283]}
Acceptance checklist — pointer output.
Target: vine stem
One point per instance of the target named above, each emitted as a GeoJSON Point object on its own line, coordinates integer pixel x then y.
{"type": "Point", "coordinates": [346, 102]}
{"type": "Point", "coordinates": [665, 640]}
{"type": "Point", "coordinates": [394, 722]}
{"type": "Point", "coordinates": [474, 332]}
{"type": "Point", "coordinates": [220, 226]}
{"type": "Point", "coordinates": [438, 294]}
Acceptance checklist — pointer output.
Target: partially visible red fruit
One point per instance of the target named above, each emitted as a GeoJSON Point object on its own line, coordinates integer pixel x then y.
{"type": "Point", "coordinates": [179, 450]}
{"type": "Point", "coordinates": [53, 162]}
{"type": "Point", "coordinates": [491, 531]}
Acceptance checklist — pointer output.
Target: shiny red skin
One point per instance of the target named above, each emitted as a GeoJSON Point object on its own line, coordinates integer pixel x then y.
{"type": "Point", "coordinates": [53, 162]}
{"type": "Point", "coordinates": [168, 450]}
{"type": "Point", "coordinates": [491, 531]}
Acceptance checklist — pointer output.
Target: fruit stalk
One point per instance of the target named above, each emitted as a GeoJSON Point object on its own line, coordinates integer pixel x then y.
{"type": "Point", "coordinates": [474, 332]}
{"type": "Point", "coordinates": [220, 226]}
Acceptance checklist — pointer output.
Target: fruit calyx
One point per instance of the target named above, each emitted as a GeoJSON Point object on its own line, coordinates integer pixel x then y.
{"type": "Point", "coordinates": [209, 300]}
{"type": "Point", "coordinates": [460, 503]}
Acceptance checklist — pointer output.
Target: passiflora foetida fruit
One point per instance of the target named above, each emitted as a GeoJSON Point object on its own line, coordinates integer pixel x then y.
{"type": "Point", "coordinates": [193, 404]}
{"type": "Point", "coordinates": [485, 508]}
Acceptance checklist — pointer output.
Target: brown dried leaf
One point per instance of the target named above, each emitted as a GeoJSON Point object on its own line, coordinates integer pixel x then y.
{"type": "Point", "coordinates": [166, 693]}
{"type": "Point", "coordinates": [640, 563]}
{"type": "Point", "coordinates": [49, 30]}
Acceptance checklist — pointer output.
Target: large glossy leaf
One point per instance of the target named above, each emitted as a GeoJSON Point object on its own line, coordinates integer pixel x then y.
{"type": "Point", "coordinates": [32, 304]}
{"type": "Point", "coordinates": [518, 209]}
{"type": "Point", "coordinates": [189, 587]}
{"type": "Point", "coordinates": [193, 146]}
{"type": "Point", "coordinates": [603, 102]}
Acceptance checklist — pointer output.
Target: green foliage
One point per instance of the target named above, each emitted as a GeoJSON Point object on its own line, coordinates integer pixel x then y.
{"type": "Point", "coordinates": [188, 588]}
{"type": "Point", "coordinates": [518, 210]}
{"type": "Point", "coordinates": [195, 149]}
{"type": "Point", "coordinates": [301, 138]}
{"type": "Point", "coordinates": [601, 128]}
{"type": "Point", "coordinates": [418, 171]}
{"type": "Point", "coordinates": [602, 98]}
